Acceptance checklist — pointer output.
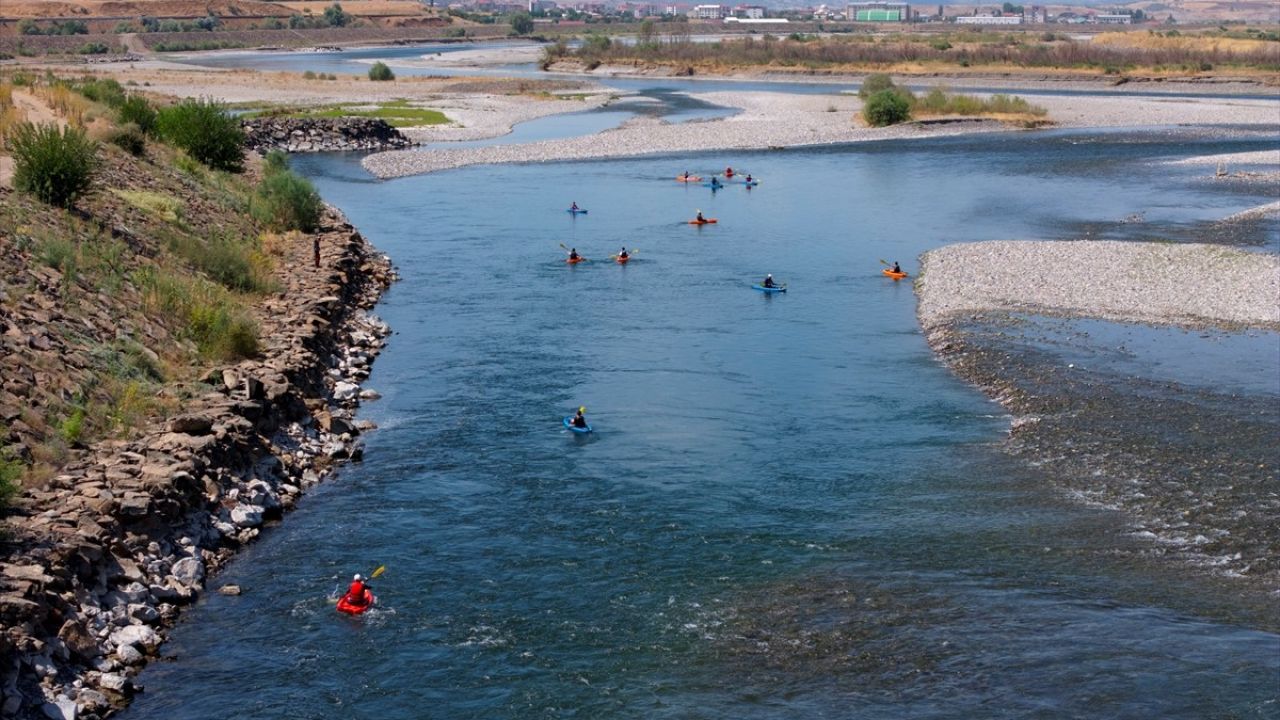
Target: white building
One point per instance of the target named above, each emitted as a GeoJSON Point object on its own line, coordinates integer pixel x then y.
{"type": "Point", "coordinates": [708, 12]}
{"type": "Point", "coordinates": [1113, 19]}
{"type": "Point", "coordinates": [989, 20]}
{"type": "Point", "coordinates": [751, 12]}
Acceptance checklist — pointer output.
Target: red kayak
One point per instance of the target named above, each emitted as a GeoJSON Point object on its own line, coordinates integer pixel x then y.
{"type": "Point", "coordinates": [350, 608]}
{"type": "Point", "coordinates": [623, 260]}
{"type": "Point", "coordinates": [575, 261]}
{"type": "Point", "coordinates": [704, 221]}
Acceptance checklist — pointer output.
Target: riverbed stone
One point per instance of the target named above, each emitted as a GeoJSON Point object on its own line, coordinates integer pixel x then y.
{"type": "Point", "coordinates": [188, 571]}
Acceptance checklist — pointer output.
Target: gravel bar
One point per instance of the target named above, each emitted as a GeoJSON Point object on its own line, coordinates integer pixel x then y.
{"type": "Point", "coordinates": [1186, 284]}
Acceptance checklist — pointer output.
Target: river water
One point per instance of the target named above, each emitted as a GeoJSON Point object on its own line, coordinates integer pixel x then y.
{"type": "Point", "coordinates": [789, 508]}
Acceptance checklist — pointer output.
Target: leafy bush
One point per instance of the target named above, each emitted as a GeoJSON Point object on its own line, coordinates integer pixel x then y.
{"type": "Point", "coordinates": [203, 311]}
{"type": "Point", "coordinates": [54, 165]}
{"type": "Point", "coordinates": [380, 72]}
{"type": "Point", "coordinates": [137, 110]}
{"type": "Point", "coordinates": [335, 16]}
{"type": "Point", "coordinates": [93, 48]}
{"type": "Point", "coordinates": [227, 261]}
{"type": "Point", "coordinates": [309, 75]}
{"type": "Point", "coordinates": [521, 24]}
{"type": "Point", "coordinates": [886, 107]}
{"type": "Point", "coordinates": [107, 91]}
{"type": "Point", "coordinates": [11, 470]}
{"type": "Point", "coordinates": [206, 131]}
{"type": "Point", "coordinates": [275, 161]}
{"type": "Point", "coordinates": [287, 201]}
{"type": "Point", "coordinates": [130, 138]}
{"type": "Point", "coordinates": [874, 83]}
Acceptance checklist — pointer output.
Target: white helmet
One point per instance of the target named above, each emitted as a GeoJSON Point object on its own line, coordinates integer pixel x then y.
{"type": "Point", "coordinates": [358, 577]}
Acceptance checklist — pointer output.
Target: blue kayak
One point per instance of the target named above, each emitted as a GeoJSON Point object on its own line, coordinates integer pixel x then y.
{"type": "Point", "coordinates": [713, 186]}
{"type": "Point", "coordinates": [568, 422]}
{"type": "Point", "coordinates": [578, 211]}
{"type": "Point", "coordinates": [763, 289]}
{"type": "Point", "coordinates": [753, 183]}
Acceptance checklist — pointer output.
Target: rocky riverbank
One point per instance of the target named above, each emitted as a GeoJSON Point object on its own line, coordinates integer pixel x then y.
{"type": "Point", "coordinates": [100, 560]}
{"type": "Point", "coordinates": [297, 135]}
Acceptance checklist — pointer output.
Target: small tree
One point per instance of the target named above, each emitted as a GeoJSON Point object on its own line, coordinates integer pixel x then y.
{"type": "Point", "coordinates": [886, 107]}
{"type": "Point", "coordinates": [54, 165]}
{"type": "Point", "coordinates": [522, 24]}
{"type": "Point", "coordinates": [206, 131]}
{"type": "Point", "coordinates": [380, 72]}
{"type": "Point", "coordinates": [137, 110]}
{"type": "Point", "coordinates": [336, 17]}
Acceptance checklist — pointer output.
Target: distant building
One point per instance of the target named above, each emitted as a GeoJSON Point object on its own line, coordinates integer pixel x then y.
{"type": "Point", "coordinates": [750, 12]}
{"type": "Point", "coordinates": [879, 12]}
{"type": "Point", "coordinates": [541, 5]}
{"type": "Point", "coordinates": [708, 12]}
{"type": "Point", "coordinates": [1113, 19]}
{"type": "Point", "coordinates": [989, 20]}
{"type": "Point", "coordinates": [755, 21]}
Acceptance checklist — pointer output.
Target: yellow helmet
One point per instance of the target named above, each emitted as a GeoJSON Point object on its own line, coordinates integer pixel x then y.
{"type": "Point", "coordinates": [582, 409]}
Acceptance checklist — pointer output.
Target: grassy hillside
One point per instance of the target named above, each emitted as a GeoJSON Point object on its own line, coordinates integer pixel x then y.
{"type": "Point", "coordinates": [111, 306]}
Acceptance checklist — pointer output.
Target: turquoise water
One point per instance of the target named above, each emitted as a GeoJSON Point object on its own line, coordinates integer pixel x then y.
{"type": "Point", "coordinates": [788, 509]}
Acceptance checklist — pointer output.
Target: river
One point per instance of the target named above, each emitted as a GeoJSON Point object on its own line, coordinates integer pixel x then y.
{"type": "Point", "coordinates": [788, 509]}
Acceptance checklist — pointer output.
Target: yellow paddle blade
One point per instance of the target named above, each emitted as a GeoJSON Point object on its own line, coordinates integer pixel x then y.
{"type": "Point", "coordinates": [377, 572]}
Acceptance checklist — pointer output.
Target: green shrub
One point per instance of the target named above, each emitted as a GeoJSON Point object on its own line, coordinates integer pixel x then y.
{"type": "Point", "coordinates": [874, 83]}
{"type": "Point", "coordinates": [106, 91]}
{"type": "Point", "coordinates": [130, 138]}
{"type": "Point", "coordinates": [275, 161]}
{"type": "Point", "coordinates": [203, 312]}
{"type": "Point", "coordinates": [72, 427]}
{"type": "Point", "coordinates": [886, 107]}
{"type": "Point", "coordinates": [287, 201]}
{"type": "Point", "coordinates": [206, 131]}
{"type": "Point", "coordinates": [227, 261]}
{"type": "Point", "coordinates": [521, 24]}
{"type": "Point", "coordinates": [309, 75]}
{"type": "Point", "coordinates": [52, 164]}
{"type": "Point", "coordinates": [380, 72]}
{"type": "Point", "coordinates": [11, 470]}
{"type": "Point", "coordinates": [137, 110]}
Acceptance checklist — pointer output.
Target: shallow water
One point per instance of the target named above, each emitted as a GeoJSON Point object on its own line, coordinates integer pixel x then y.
{"type": "Point", "coordinates": [789, 508]}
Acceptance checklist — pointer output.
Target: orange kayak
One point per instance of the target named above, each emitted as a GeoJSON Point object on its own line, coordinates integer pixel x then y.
{"type": "Point", "coordinates": [691, 178]}
{"type": "Point", "coordinates": [575, 261]}
{"type": "Point", "coordinates": [705, 221]}
{"type": "Point", "coordinates": [623, 260]}
{"type": "Point", "coordinates": [894, 275]}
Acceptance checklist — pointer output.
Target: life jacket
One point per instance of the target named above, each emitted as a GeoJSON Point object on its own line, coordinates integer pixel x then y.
{"type": "Point", "coordinates": [357, 594]}
{"type": "Point", "coordinates": [579, 420]}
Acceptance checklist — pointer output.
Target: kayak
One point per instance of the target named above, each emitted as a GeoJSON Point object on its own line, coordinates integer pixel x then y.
{"type": "Point", "coordinates": [894, 275]}
{"type": "Point", "coordinates": [753, 183]}
{"type": "Point", "coordinates": [568, 422]}
{"type": "Point", "coordinates": [691, 178]}
{"type": "Point", "coordinates": [770, 290]}
{"type": "Point", "coordinates": [576, 211]}
{"type": "Point", "coordinates": [353, 609]}
{"type": "Point", "coordinates": [575, 261]}
{"type": "Point", "coordinates": [729, 174]}
{"type": "Point", "coordinates": [704, 221]}
{"type": "Point", "coordinates": [714, 185]}
{"type": "Point", "coordinates": [622, 260]}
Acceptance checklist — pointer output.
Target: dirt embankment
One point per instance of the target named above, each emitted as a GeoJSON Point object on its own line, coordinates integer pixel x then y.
{"type": "Point", "coordinates": [149, 460]}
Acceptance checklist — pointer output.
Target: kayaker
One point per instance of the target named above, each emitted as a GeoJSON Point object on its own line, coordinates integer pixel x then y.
{"type": "Point", "coordinates": [573, 205]}
{"type": "Point", "coordinates": [700, 218]}
{"type": "Point", "coordinates": [359, 593]}
{"type": "Point", "coordinates": [768, 282]}
{"type": "Point", "coordinates": [624, 254]}
{"type": "Point", "coordinates": [895, 267]}
{"type": "Point", "coordinates": [580, 419]}
{"type": "Point", "coordinates": [748, 177]}
{"type": "Point", "coordinates": [686, 175]}
{"type": "Point", "coordinates": [573, 254]}
{"type": "Point", "coordinates": [728, 172]}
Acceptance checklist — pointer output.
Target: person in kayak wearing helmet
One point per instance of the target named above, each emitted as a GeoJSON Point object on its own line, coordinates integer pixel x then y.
{"type": "Point", "coordinates": [768, 282]}
{"type": "Point", "coordinates": [359, 594]}
{"type": "Point", "coordinates": [573, 254]}
{"type": "Point", "coordinates": [573, 205]}
{"type": "Point", "coordinates": [580, 418]}
{"type": "Point", "coordinates": [895, 267]}
{"type": "Point", "coordinates": [700, 218]}
{"type": "Point", "coordinates": [624, 254]}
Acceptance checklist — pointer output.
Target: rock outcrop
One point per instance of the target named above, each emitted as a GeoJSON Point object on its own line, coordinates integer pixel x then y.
{"type": "Point", "coordinates": [99, 561]}
{"type": "Point", "coordinates": [296, 135]}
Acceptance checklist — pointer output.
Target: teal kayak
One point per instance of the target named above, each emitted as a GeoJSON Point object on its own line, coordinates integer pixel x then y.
{"type": "Point", "coordinates": [568, 422]}
{"type": "Point", "coordinates": [768, 290]}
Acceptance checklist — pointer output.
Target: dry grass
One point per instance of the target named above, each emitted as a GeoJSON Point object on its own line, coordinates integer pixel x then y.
{"type": "Point", "coordinates": [1186, 43]}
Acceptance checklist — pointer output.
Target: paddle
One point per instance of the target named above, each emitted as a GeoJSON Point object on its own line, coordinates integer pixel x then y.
{"type": "Point", "coordinates": [566, 249]}
{"type": "Point", "coordinates": [381, 569]}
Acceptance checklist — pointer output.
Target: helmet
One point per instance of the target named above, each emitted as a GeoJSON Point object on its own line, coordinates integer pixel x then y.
{"type": "Point", "coordinates": [358, 577]}
{"type": "Point", "coordinates": [768, 276]}
{"type": "Point", "coordinates": [582, 409]}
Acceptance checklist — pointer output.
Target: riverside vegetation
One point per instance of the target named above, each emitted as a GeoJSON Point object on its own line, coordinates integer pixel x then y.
{"type": "Point", "coordinates": [885, 103]}
{"type": "Point", "coordinates": [135, 228]}
{"type": "Point", "coordinates": [1161, 54]}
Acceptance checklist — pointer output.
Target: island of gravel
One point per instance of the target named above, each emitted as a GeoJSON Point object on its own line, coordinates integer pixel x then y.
{"type": "Point", "coordinates": [1192, 468]}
